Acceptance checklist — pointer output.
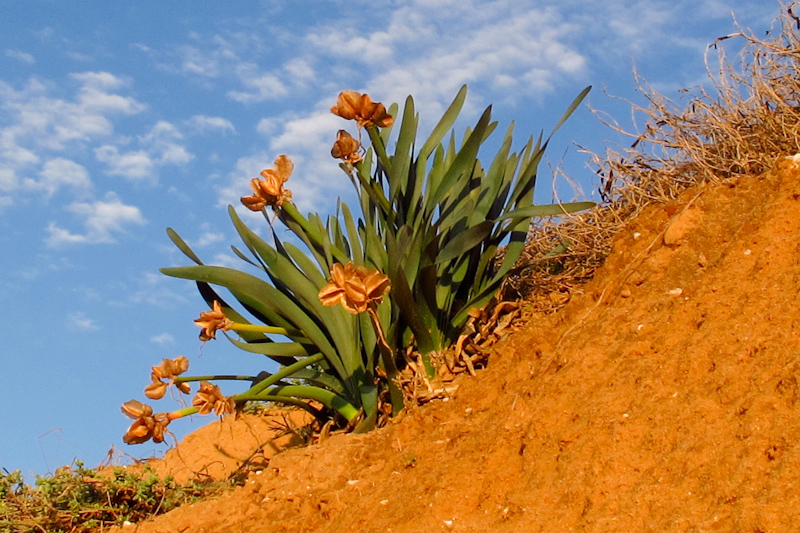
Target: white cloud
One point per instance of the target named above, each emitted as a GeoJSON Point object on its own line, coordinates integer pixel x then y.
{"type": "Point", "coordinates": [300, 70]}
{"type": "Point", "coordinates": [8, 180]}
{"type": "Point", "coordinates": [78, 321]}
{"type": "Point", "coordinates": [22, 57]}
{"type": "Point", "coordinates": [351, 43]}
{"type": "Point", "coordinates": [315, 130]}
{"type": "Point", "coordinates": [208, 238]}
{"type": "Point", "coordinates": [153, 289]}
{"type": "Point", "coordinates": [162, 142]}
{"type": "Point", "coordinates": [94, 93]}
{"type": "Point", "coordinates": [206, 123]}
{"type": "Point", "coordinates": [159, 147]}
{"type": "Point", "coordinates": [163, 338]}
{"type": "Point", "coordinates": [260, 86]}
{"type": "Point", "coordinates": [101, 220]}
{"type": "Point", "coordinates": [267, 126]}
{"type": "Point", "coordinates": [493, 43]}
{"type": "Point", "coordinates": [40, 125]}
{"type": "Point", "coordinates": [60, 172]}
{"type": "Point", "coordinates": [132, 165]}
{"type": "Point", "coordinates": [229, 260]}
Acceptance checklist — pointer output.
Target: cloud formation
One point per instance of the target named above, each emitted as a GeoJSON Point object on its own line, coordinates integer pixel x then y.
{"type": "Point", "coordinates": [61, 172]}
{"type": "Point", "coordinates": [101, 220]}
{"type": "Point", "coordinates": [78, 321]}
{"type": "Point", "coordinates": [40, 126]}
{"type": "Point", "coordinates": [162, 145]}
{"type": "Point", "coordinates": [19, 55]}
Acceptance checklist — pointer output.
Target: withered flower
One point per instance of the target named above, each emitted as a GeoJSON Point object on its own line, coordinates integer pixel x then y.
{"type": "Point", "coordinates": [211, 321]}
{"type": "Point", "coordinates": [168, 369]}
{"type": "Point", "coordinates": [359, 107]}
{"type": "Point", "coordinates": [270, 190]}
{"type": "Point", "coordinates": [146, 425]}
{"type": "Point", "coordinates": [346, 148]}
{"type": "Point", "coordinates": [209, 398]}
{"type": "Point", "coordinates": [356, 288]}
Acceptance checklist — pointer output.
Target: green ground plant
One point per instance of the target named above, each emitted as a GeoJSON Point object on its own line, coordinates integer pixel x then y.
{"type": "Point", "coordinates": [78, 499]}
{"type": "Point", "coordinates": [340, 314]}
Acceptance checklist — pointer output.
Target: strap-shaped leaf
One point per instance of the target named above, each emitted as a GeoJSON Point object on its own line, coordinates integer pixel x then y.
{"type": "Point", "coordinates": [401, 162]}
{"type": "Point", "coordinates": [329, 399]}
{"type": "Point", "coordinates": [182, 246]}
{"type": "Point", "coordinates": [464, 162]}
{"type": "Point", "coordinates": [246, 259]}
{"type": "Point", "coordinates": [408, 307]}
{"type": "Point", "coordinates": [444, 125]}
{"type": "Point", "coordinates": [305, 264]}
{"type": "Point", "coordinates": [276, 349]}
{"type": "Point", "coordinates": [546, 210]}
{"type": "Point", "coordinates": [320, 379]}
{"type": "Point", "coordinates": [356, 251]}
{"type": "Point", "coordinates": [465, 241]}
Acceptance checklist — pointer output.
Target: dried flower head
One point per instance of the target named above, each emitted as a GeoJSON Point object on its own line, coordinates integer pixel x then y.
{"type": "Point", "coordinates": [168, 369]}
{"type": "Point", "coordinates": [346, 148]}
{"type": "Point", "coordinates": [359, 107]}
{"type": "Point", "coordinates": [270, 190]}
{"type": "Point", "coordinates": [209, 398]}
{"type": "Point", "coordinates": [146, 425]}
{"type": "Point", "coordinates": [211, 321]}
{"type": "Point", "coordinates": [356, 288]}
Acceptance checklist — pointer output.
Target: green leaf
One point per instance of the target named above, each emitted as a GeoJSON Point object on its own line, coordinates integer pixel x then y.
{"type": "Point", "coordinates": [546, 210]}
{"type": "Point", "coordinates": [275, 349]}
{"type": "Point", "coordinates": [182, 246]}
{"type": "Point", "coordinates": [465, 241]}
{"type": "Point", "coordinates": [408, 307]}
{"type": "Point", "coordinates": [401, 162]}
{"type": "Point", "coordinates": [441, 129]}
{"type": "Point", "coordinates": [463, 163]}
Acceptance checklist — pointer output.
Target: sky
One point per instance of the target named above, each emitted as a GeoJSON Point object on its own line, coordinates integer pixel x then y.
{"type": "Point", "coordinates": [118, 120]}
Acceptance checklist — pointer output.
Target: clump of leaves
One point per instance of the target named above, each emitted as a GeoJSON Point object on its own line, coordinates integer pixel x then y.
{"type": "Point", "coordinates": [341, 315]}
{"type": "Point", "coordinates": [79, 499]}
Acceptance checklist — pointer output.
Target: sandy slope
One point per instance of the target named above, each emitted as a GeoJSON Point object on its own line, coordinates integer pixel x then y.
{"type": "Point", "coordinates": [664, 398]}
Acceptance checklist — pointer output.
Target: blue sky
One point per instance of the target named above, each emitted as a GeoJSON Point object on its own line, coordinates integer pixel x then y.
{"type": "Point", "coordinates": [118, 120]}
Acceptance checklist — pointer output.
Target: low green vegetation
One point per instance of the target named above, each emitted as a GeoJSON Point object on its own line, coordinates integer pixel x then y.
{"type": "Point", "coordinates": [79, 499]}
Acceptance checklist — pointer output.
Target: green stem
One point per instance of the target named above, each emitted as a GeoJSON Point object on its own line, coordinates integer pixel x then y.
{"type": "Point", "coordinates": [287, 371]}
{"type": "Point", "coordinates": [325, 397]}
{"type": "Point", "coordinates": [319, 415]}
{"type": "Point", "coordinates": [180, 413]}
{"type": "Point", "coordinates": [237, 326]}
{"type": "Point", "coordinates": [261, 329]}
{"type": "Point", "coordinates": [222, 377]}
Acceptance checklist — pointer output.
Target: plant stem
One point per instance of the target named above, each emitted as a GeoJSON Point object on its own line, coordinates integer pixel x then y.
{"type": "Point", "coordinates": [180, 413]}
{"type": "Point", "coordinates": [218, 377]}
{"type": "Point", "coordinates": [324, 396]}
{"type": "Point", "coordinates": [287, 371]}
{"type": "Point", "coordinates": [236, 326]}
